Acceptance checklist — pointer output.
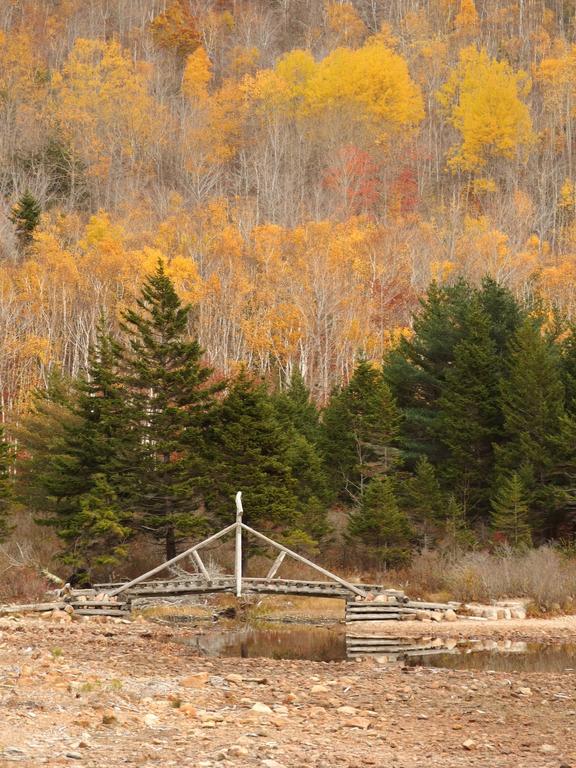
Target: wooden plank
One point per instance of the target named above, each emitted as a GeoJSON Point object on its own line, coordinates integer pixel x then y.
{"type": "Point", "coordinates": [238, 545]}
{"type": "Point", "coordinates": [103, 612]}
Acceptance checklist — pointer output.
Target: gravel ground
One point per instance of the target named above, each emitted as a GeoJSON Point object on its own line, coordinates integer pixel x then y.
{"type": "Point", "coordinates": [92, 693]}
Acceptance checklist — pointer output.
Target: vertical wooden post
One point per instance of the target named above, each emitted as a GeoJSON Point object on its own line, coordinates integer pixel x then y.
{"type": "Point", "coordinates": [238, 561]}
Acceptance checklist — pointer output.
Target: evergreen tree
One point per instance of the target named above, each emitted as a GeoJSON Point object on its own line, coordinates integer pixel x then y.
{"type": "Point", "coordinates": [457, 535]}
{"type": "Point", "coordinates": [102, 528]}
{"type": "Point", "coordinates": [41, 439]}
{"type": "Point", "coordinates": [417, 369]}
{"type": "Point", "coordinates": [26, 217]}
{"type": "Point", "coordinates": [379, 526]}
{"type": "Point", "coordinates": [469, 419]}
{"type": "Point", "coordinates": [6, 486]}
{"type": "Point", "coordinates": [172, 401]}
{"type": "Point", "coordinates": [423, 502]}
{"type": "Point", "coordinates": [91, 450]}
{"type": "Point", "coordinates": [296, 408]}
{"type": "Point", "coordinates": [532, 396]}
{"type": "Point", "coordinates": [360, 427]}
{"type": "Point", "coordinates": [249, 453]}
{"type": "Point", "coordinates": [510, 511]}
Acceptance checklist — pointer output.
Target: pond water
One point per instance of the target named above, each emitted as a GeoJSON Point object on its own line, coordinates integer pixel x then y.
{"type": "Point", "coordinates": [321, 643]}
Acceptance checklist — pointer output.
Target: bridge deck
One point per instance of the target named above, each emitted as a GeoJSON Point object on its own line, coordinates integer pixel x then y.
{"type": "Point", "coordinates": [199, 586]}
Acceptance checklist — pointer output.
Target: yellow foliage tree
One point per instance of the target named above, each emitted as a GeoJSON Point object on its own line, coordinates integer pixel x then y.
{"type": "Point", "coordinates": [197, 75]}
{"type": "Point", "coordinates": [466, 20]}
{"type": "Point", "coordinates": [344, 23]}
{"type": "Point", "coordinates": [102, 104]}
{"type": "Point", "coordinates": [482, 99]}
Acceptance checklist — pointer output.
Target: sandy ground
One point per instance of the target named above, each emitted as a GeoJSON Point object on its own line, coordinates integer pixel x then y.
{"type": "Point", "coordinates": [113, 694]}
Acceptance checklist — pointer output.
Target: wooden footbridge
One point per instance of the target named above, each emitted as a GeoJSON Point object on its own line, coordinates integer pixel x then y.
{"type": "Point", "coordinates": [116, 597]}
{"type": "Point", "coordinates": [364, 602]}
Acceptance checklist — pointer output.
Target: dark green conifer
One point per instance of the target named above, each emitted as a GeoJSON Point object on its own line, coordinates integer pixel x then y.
{"type": "Point", "coordinates": [510, 511]}
{"type": "Point", "coordinates": [360, 428]}
{"type": "Point", "coordinates": [424, 503]}
{"type": "Point", "coordinates": [26, 217]}
{"type": "Point", "coordinates": [172, 399]}
{"type": "Point", "coordinates": [379, 527]}
{"type": "Point", "coordinates": [249, 453]}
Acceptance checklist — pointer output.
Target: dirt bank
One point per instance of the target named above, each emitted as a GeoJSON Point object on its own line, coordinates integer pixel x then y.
{"type": "Point", "coordinates": [110, 694]}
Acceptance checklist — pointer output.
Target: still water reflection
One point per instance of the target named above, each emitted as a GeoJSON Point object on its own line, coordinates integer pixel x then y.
{"type": "Point", "coordinates": [316, 643]}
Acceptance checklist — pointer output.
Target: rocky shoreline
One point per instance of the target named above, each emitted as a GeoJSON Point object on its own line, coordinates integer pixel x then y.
{"type": "Point", "coordinates": [113, 693]}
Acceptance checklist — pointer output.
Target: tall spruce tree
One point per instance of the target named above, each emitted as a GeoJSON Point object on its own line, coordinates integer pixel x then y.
{"type": "Point", "coordinates": [417, 369]}
{"type": "Point", "coordinates": [510, 512]}
{"type": "Point", "coordinates": [26, 216]}
{"type": "Point", "coordinates": [458, 536]}
{"type": "Point", "coordinates": [360, 427]}
{"type": "Point", "coordinates": [422, 500]}
{"type": "Point", "coordinates": [469, 419]}
{"type": "Point", "coordinates": [172, 400]}
{"type": "Point", "coordinates": [379, 526]}
{"type": "Point", "coordinates": [89, 453]}
{"type": "Point", "coordinates": [250, 453]}
{"type": "Point", "coordinates": [532, 397]}
{"type": "Point", "coordinates": [296, 408]}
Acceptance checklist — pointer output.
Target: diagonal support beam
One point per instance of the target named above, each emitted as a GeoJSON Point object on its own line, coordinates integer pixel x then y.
{"type": "Point", "coordinates": [176, 559]}
{"type": "Point", "coordinates": [201, 567]}
{"type": "Point", "coordinates": [296, 556]}
{"type": "Point", "coordinates": [275, 565]}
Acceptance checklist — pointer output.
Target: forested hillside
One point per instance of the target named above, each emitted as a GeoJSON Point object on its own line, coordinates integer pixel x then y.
{"type": "Point", "coordinates": [323, 251]}
{"type": "Point", "coordinates": [305, 169]}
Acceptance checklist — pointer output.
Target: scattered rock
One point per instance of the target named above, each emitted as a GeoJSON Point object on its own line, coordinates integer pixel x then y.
{"type": "Point", "coordinates": [450, 615]}
{"type": "Point", "coordinates": [547, 749]}
{"type": "Point", "coordinates": [263, 709]}
{"type": "Point", "coordinates": [469, 745]}
{"type": "Point", "coordinates": [195, 681]}
{"type": "Point", "coordinates": [357, 722]}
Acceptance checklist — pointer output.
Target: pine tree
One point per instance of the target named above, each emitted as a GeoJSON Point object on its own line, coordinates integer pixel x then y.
{"type": "Point", "coordinates": [510, 511]}
{"type": "Point", "coordinates": [249, 453]}
{"type": "Point", "coordinates": [378, 524]}
{"type": "Point", "coordinates": [92, 446]}
{"type": "Point", "coordinates": [417, 369]}
{"type": "Point", "coordinates": [360, 428]}
{"type": "Point", "coordinates": [457, 535]}
{"type": "Point", "coordinates": [172, 401]}
{"type": "Point", "coordinates": [469, 420]}
{"type": "Point", "coordinates": [423, 501]}
{"type": "Point", "coordinates": [26, 217]}
{"type": "Point", "coordinates": [532, 396]}
{"type": "Point", "coordinates": [295, 406]}
{"type": "Point", "coordinates": [103, 528]}
{"type": "Point", "coordinates": [6, 486]}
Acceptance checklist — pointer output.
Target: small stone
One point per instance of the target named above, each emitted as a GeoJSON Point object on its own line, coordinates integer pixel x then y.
{"type": "Point", "coordinates": [151, 720]}
{"type": "Point", "coordinates": [272, 764]}
{"type": "Point", "coordinates": [450, 615]}
{"type": "Point", "coordinates": [435, 615]}
{"type": "Point", "coordinates": [490, 613]}
{"type": "Point", "coordinates": [357, 722]}
{"type": "Point", "coordinates": [517, 613]}
{"type": "Point", "coordinates": [525, 691]}
{"type": "Point", "coordinates": [547, 749]}
{"type": "Point", "coordinates": [109, 717]}
{"type": "Point", "coordinates": [74, 755]}
{"type": "Point", "coordinates": [195, 681]}
{"type": "Point", "coordinates": [188, 709]}
{"type": "Point", "coordinates": [238, 751]}
{"type": "Point", "coordinates": [469, 745]}
{"type": "Point", "coordinates": [234, 678]}
{"type": "Point", "coordinates": [346, 710]}
{"type": "Point", "coordinates": [319, 689]}
{"type": "Point", "coordinates": [263, 709]}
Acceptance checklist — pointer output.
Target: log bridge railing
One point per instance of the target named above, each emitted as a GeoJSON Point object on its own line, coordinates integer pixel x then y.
{"type": "Point", "coordinates": [203, 582]}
